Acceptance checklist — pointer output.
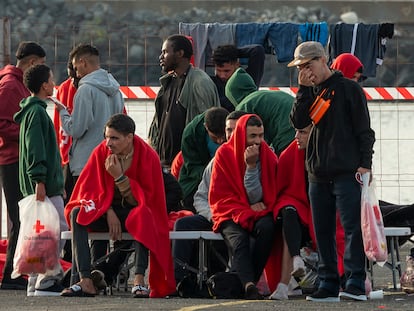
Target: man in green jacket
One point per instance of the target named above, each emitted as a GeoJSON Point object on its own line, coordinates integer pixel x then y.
{"type": "Point", "coordinates": [201, 138]}
{"type": "Point", "coordinates": [40, 171]}
{"type": "Point", "coordinates": [273, 107]}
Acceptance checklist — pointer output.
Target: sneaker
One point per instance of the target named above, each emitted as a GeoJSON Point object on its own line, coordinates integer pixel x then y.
{"type": "Point", "coordinates": [53, 290]}
{"type": "Point", "coordinates": [323, 295]}
{"type": "Point", "coordinates": [281, 292]}
{"type": "Point", "coordinates": [298, 267]}
{"type": "Point", "coordinates": [19, 283]}
{"type": "Point", "coordinates": [31, 286]}
{"type": "Point", "coordinates": [353, 293]}
{"type": "Point", "coordinates": [252, 293]}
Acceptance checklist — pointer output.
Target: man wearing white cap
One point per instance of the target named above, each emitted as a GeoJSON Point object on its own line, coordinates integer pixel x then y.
{"type": "Point", "coordinates": [340, 144]}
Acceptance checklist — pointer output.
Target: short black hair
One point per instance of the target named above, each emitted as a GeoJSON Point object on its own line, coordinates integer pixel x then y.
{"type": "Point", "coordinates": [225, 54]}
{"type": "Point", "coordinates": [180, 42]}
{"type": "Point", "coordinates": [236, 114]}
{"type": "Point", "coordinates": [83, 50]}
{"type": "Point", "coordinates": [254, 121]}
{"type": "Point", "coordinates": [29, 48]}
{"type": "Point", "coordinates": [35, 76]}
{"type": "Point", "coordinates": [215, 120]}
{"type": "Point", "coordinates": [72, 73]}
{"type": "Point", "coordinates": [121, 123]}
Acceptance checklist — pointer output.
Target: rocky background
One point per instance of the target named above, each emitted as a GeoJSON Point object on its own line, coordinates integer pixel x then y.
{"type": "Point", "coordinates": [129, 34]}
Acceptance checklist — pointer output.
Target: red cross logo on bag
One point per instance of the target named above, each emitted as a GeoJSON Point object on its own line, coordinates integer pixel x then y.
{"type": "Point", "coordinates": [38, 227]}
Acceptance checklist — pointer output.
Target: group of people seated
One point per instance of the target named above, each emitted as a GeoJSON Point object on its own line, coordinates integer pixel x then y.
{"type": "Point", "coordinates": [221, 155]}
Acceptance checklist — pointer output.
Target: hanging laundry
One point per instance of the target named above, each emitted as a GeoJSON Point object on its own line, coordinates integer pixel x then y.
{"type": "Point", "coordinates": [206, 38]}
{"type": "Point", "coordinates": [281, 37]}
{"type": "Point", "coordinates": [363, 41]}
{"type": "Point", "coordinates": [314, 32]}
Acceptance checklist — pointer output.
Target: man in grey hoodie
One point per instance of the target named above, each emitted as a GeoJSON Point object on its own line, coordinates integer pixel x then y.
{"type": "Point", "coordinates": [96, 100]}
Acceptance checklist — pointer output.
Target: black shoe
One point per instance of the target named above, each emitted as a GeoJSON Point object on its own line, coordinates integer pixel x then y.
{"type": "Point", "coordinates": [252, 293]}
{"type": "Point", "coordinates": [323, 295]}
{"type": "Point", "coordinates": [353, 293]}
{"type": "Point", "coordinates": [19, 283]}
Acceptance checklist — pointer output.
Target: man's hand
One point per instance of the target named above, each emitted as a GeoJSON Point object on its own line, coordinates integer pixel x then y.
{"type": "Point", "coordinates": [58, 104]}
{"type": "Point", "coordinates": [258, 207]}
{"type": "Point", "coordinates": [113, 166]}
{"type": "Point", "coordinates": [40, 191]}
{"type": "Point", "coordinates": [306, 77]}
{"type": "Point", "coordinates": [114, 225]}
{"type": "Point", "coordinates": [251, 155]}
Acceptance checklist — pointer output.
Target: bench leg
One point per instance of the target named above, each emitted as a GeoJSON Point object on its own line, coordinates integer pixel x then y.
{"type": "Point", "coordinates": [394, 263]}
{"type": "Point", "coordinates": [201, 254]}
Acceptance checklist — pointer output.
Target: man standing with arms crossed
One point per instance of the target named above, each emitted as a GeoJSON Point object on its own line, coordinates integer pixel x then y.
{"type": "Point", "coordinates": [340, 145]}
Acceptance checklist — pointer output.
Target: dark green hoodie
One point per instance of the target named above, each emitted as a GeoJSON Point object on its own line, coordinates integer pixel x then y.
{"type": "Point", "coordinates": [39, 157]}
{"type": "Point", "coordinates": [273, 107]}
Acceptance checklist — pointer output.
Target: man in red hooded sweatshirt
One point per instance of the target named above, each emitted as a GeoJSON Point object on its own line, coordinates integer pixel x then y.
{"type": "Point", "coordinates": [12, 91]}
{"type": "Point", "coordinates": [242, 196]}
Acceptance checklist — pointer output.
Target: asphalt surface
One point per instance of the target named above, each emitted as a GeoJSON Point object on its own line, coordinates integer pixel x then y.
{"type": "Point", "coordinates": [121, 300]}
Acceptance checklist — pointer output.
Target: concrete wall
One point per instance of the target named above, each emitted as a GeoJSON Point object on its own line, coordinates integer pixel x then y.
{"type": "Point", "coordinates": [394, 147]}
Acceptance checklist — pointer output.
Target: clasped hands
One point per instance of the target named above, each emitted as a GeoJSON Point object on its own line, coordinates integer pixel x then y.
{"type": "Point", "coordinates": [113, 167]}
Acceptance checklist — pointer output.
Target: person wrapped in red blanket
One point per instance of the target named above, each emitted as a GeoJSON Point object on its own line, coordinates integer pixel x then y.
{"type": "Point", "coordinates": [242, 197]}
{"type": "Point", "coordinates": [121, 187]}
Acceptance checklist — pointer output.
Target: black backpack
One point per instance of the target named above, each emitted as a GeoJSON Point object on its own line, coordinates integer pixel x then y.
{"type": "Point", "coordinates": [225, 285]}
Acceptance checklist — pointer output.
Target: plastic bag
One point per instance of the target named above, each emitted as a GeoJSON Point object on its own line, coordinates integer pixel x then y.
{"type": "Point", "coordinates": [372, 225]}
{"type": "Point", "coordinates": [37, 249]}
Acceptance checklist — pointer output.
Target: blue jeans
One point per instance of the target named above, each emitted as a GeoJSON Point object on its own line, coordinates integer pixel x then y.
{"type": "Point", "coordinates": [343, 194]}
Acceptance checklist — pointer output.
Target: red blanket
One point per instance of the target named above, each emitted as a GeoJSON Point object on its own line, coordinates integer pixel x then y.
{"type": "Point", "coordinates": [65, 93]}
{"type": "Point", "coordinates": [291, 185]}
{"type": "Point", "coordinates": [228, 198]}
{"type": "Point", "coordinates": [147, 222]}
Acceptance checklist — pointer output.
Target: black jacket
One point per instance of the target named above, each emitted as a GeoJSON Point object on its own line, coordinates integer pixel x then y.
{"type": "Point", "coordinates": [343, 139]}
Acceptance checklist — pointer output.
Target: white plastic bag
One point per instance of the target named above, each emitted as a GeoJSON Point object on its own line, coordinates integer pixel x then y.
{"type": "Point", "coordinates": [37, 249]}
{"type": "Point", "coordinates": [372, 225]}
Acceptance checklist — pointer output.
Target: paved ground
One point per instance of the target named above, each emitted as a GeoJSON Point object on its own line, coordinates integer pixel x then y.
{"type": "Point", "coordinates": [393, 300]}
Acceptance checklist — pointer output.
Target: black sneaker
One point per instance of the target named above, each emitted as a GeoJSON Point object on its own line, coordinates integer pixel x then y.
{"type": "Point", "coordinates": [353, 293]}
{"type": "Point", "coordinates": [323, 295]}
{"type": "Point", "coordinates": [53, 290]}
{"type": "Point", "coordinates": [252, 293]}
{"type": "Point", "coordinates": [19, 283]}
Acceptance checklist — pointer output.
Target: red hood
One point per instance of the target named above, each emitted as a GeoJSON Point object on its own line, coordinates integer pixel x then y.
{"type": "Point", "coordinates": [348, 64]}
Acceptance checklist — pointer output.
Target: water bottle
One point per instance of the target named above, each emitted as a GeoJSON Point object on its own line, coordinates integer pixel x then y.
{"type": "Point", "coordinates": [407, 278]}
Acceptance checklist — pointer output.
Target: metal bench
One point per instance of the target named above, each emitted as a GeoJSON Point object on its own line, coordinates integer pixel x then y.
{"type": "Point", "coordinates": [201, 236]}
{"type": "Point", "coordinates": [392, 234]}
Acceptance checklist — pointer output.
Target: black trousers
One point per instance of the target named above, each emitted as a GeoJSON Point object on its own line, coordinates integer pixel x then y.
{"type": "Point", "coordinates": [9, 175]}
{"type": "Point", "coordinates": [250, 250]}
{"type": "Point", "coordinates": [186, 250]}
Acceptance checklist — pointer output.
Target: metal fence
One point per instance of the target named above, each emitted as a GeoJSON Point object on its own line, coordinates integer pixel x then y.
{"type": "Point", "coordinates": [130, 52]}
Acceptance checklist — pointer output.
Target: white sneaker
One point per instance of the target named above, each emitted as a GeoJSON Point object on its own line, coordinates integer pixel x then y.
{"type": "Point", "coordinates": [281, 292]}
{"type": "Point", "coordinates": [31, 286]}
{"type": "Point", "coordinates": [298, 267]}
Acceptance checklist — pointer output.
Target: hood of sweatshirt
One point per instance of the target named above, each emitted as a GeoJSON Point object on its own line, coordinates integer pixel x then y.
{"type": "Point", "coordinates": [239, 86]}
{"type": "Point", "coordinates": [11, 70]}
{"type": "Point", "coordinates": [103, 80]}
{"type": "Point", "coordinates": [348, 64]}
{"type": "Point", "coordinates": [25, 104]}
